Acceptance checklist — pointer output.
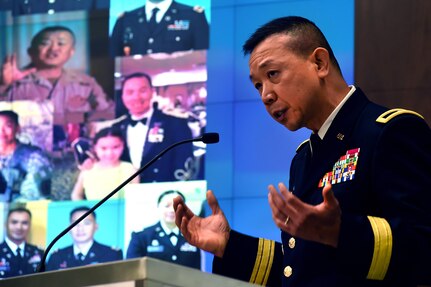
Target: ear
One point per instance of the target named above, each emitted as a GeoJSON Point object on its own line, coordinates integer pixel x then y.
{"type": "Point", "coordinates": [320, 57]}
{"type": "Point", "coordinates": [72, 51]}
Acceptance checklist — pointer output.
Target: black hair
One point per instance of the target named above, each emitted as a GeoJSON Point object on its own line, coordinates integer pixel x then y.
{"type": "Point", "coordinates": [35, 41]}
{"type": "Point", "coordinates": [137, 75]}
{"type": "Point", "coordinates": [10, 115]}
{"type": "Point", "coordinates": [305, 34]}
{"type": "Point", "coordinates": [18, 209]}
{"type": "Point", "coordinates": [81, 208]}
{"type": "Point", "coordinates": [169, 192]}
{"type": "Point", "coordinates": [111, 131]}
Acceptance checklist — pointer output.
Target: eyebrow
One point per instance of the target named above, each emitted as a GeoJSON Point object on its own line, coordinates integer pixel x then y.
{"type": "Point", "coordinates": [261, 66]}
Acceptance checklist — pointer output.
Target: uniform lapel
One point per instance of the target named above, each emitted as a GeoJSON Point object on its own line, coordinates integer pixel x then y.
{"type": "Point", "coordinates": [142, 22]}
{"type": "Point", "coordinates": [334, 145]}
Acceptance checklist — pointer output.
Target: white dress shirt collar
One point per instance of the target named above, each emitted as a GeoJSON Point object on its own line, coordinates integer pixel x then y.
{"type": "Point", "coordinates": [325, 127]}
{"type": "Point", "coordinates": [84, 248]}
{"type": "Point", "coordinates": [13, 246]}
{"type": "Point", "coordinates": [163, 7]}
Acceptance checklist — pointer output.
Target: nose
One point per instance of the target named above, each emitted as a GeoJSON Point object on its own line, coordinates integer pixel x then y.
{"type": "Point", "coordinates": [54, 46]}
{"type": "Point", "coordinates": [268, 95]}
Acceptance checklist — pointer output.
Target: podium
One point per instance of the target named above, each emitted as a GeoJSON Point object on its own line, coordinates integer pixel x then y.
{"type": "Point", "coordinates": [141, 272]}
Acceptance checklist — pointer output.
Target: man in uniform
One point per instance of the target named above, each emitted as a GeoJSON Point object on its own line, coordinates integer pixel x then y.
{"type": "Point", "coordinates": [17, 257]}
{"type": "Point", "coordinates": [84, 250]}
{"type": "Point", "coordinates": [163, 240]}
{"type": "Point", "coordinates": [148, 131]}
{"type": "Point", "coordinates": [356, 209]}
{"type": "Point", "coordinates": [76, 97]}
{"type": "Point", "coordinates": [26, 169]}
{"type": "Point", "coordinates": [160, 26]}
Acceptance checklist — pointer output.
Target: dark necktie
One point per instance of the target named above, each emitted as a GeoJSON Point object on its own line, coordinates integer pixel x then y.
{"type": "Point", "coordinates": [173, 237]}
{"type": "Point", "coordinates": [80, 256]}
{"type": "Point", "coordinates": [134, 122]}
{"type": "Point", "coordinates": [153, 23]}
{"type": "Point", "coordinates": [18, 254]}
{"type": "Point", "coordinates": [315, 143]}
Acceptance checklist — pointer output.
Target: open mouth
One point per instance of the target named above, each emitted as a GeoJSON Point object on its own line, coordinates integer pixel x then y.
{"type": "Point", "coordinates": [52, 56]}
{"type": "Point", "coordinates": [278, 115]}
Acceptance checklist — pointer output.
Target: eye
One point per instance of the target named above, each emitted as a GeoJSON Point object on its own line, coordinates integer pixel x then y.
{"type": "Point", "coordinates": [272, 74]}
{"type": "Point", "coordinates": [258, 86]}
{"type": "Point", "coordinates": [45, 42]}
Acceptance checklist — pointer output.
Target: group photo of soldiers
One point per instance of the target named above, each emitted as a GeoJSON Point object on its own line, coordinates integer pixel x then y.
{"type": "Point", "coordinates": [90, 92]}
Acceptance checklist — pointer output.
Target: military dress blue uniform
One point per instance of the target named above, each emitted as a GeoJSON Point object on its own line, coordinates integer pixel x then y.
{"type": "Point", "coordinates": [98, 253]}
{"type": "Point", "coordinates": [182, 28]}
{"type": "Point", "coordinates": [11, 265]}
{"type": "Point", "coordinates": [379, 164]}
{"type": "Point", "coordinates": [155, 243]}
{"type": "Point", "coordinates": [164, 130]}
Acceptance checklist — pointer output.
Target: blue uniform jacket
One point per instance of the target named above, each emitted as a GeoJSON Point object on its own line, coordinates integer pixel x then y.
{"type": "Point", "coordinates": [98, 253]}
{"type": "Point", "coordinates": [154, 242]}
{"type": "Point", "coordinates": [383, 192]}
{"type": "Point", "coordinates": [164, 130]}
{"type": "Point", "coordinates": [11, 266]}
{"type": "Point", "coordinates": [182, 28]}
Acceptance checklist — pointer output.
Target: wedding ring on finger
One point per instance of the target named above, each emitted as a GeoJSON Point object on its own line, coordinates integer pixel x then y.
{"type": "Point", "coordinates": [287, 220]}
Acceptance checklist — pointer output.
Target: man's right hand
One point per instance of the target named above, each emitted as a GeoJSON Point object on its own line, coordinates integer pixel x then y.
{"type": "Point", "coordinates": [211, 233]}
{"type": "Point", "coordinates": [10, 71]}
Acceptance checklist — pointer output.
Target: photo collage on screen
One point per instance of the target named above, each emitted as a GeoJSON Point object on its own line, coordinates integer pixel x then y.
{"type": "Point", "coordinates": [90, 92]}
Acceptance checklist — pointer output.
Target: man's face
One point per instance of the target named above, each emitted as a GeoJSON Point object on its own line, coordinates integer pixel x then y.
{"type": "Point", "coordinates": [166, 208]}
{"type": "Point", "coordinates": [84, 231]}
{"type": "Point", "coordinates": [137, 94]}
{"type": "Point", "coordinates": [8, 131]}
{"type": "Point", "coordinates": [54, 50]}
{"type": "Point", "coordinates": [287, 83]}
{"type": "Point", "coordinates": [18, 226]}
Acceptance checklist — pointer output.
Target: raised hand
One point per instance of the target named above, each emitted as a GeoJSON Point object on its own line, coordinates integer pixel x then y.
{"type": "Point", "coordinates": [211, 233]}
{"type": "Point", "coordinates": [10, 71]}
{"type": "Point", "coordinates": [319, 223]}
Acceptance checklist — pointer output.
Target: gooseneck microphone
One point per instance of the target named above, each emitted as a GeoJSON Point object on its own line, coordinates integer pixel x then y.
{"type": "Point", "coordinates": [207, 138]}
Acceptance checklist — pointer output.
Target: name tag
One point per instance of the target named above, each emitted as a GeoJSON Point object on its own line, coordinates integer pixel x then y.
{"type": "Point", "coordinates": [151, 249]}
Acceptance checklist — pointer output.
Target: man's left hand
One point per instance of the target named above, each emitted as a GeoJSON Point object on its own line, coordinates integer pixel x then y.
{"type": "Point", "coordinates": [319, 223]}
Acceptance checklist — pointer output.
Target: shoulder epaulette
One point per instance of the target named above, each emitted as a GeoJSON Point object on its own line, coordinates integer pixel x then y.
{"type": "Point", "coordinates": [390, 114]}
{"type": "Point", "coordinates": [301, 145]}
{"type": "Point", "coordinates": [198, 9]}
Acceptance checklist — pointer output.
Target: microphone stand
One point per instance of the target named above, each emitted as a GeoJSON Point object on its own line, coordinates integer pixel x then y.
{"type": "Point", "coordinates": [206, 138]}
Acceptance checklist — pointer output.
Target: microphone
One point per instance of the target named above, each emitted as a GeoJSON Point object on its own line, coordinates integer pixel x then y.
{"type": "Point", "coordinates": [207, 138]}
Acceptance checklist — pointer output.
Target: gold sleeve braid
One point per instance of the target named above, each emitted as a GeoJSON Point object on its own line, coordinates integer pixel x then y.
{"type": "Point", "coordinates": [382, 248]}
{"type": "Point", "coordinates": [263, 263]}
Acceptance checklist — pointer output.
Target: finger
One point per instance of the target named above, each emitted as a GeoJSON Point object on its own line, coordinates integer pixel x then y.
{"type": "Point", "coordinates": [183, 228]}
{"type": "Point", "coordinates": [213, 203]}
{"type": "Point", "coordinates": [292, 201]}
{"type": "Point", "coordinates": [278, 216]}
{"type": "Point", "coordinates": [179, 212]}
{"type": "Point", "coordinates": [177, 200]}
{"type": "Point", "coordinates": [276, 202]}
{"type": "Point", "coordinates": [29, 71]}
{"type": "Point", "coordinates": [328, 196]}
